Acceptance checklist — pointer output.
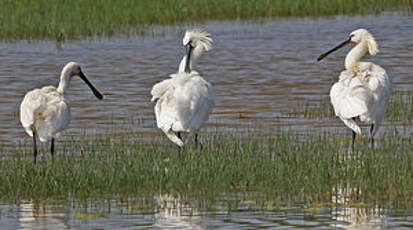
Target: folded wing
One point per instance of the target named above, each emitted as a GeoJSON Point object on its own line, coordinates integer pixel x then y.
{"type": "Point", "coordinates": [44, 111]}
{"type": "Point", "coordinates": [183, 103]}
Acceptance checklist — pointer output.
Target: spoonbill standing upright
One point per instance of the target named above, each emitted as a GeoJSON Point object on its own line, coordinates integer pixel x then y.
{"type": "Point", "coordinates": [363, 89]}
{"type": "Point", "coordinates": [45, 112]}
{"type": "Point", "coordinates": [185, 100]}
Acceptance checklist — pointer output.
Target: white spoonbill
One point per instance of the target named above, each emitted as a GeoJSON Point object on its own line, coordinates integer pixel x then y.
{"type": "Point", "coordinates": [363, 89]}
{"type": "Point", "coordinates": [185, 100]}
{"type": "Point", "coordinates": [45, 112]}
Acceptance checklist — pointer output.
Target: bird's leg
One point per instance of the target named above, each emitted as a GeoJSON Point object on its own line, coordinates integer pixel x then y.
{"type": "Point", "coordinates": [354, 137]}
{"type": "Point", "coordinates": [371, 136]}
{"type": "Point", "coordinates": [196, 141]}
{"type": "Point", "coordinates": [352, 141]}
{"type": "Point", "coordinates": [34, 146]}
{"type": "Point", "coordinates": [52, 147]}
{"type": "Point", "coordinates": [181, 148]}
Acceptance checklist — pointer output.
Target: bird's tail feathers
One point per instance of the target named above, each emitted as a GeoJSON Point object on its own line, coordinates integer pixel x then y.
{"type": "Point", "coordinates": [352, 125]}
{"type": "Point", "coordinates": [174, 138]}
{"type": "Point", "coordinates": [43, 130]}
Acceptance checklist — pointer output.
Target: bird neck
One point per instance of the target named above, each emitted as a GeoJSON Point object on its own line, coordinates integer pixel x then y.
{"type": "Point", "coordinates": [64, 82]}
{"type": "Point", "coordinates": [194, 53]}
{"type": "Point", "coordinates": [182, 65]}
{"type": "Point", "coordinates": [355, 55]}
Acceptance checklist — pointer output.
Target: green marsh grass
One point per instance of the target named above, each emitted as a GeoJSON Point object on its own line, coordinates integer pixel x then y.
{"type": "Point", "coordinates": [282, 164]}
{"type": "Point", "coordinates": [57, 19]}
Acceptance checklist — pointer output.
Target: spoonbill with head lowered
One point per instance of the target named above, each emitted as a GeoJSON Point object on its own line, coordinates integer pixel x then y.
{"type": "Point", "coordinates": [363, 89]}
{"type": "Point", "coordinates": [45, 112]}
{"type": "Point", "coordinates": [184, 102]}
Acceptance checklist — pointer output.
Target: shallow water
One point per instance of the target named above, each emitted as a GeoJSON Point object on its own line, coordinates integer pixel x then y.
{"type": "Point", "coordinates": [173, 212]}
{"type": "Point", "coordinates": [260, 70]}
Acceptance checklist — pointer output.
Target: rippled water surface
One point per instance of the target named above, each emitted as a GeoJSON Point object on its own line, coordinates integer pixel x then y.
{"type": "Point", "coordinates": [174, 212]}
{"type": "Point", "coordinates": [259, 70]}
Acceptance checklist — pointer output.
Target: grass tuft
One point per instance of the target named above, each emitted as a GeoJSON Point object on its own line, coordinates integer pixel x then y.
{"type": "Point", "coordinates": [277, 163]}
{"type": "Point", "coordinates": [60, 19]}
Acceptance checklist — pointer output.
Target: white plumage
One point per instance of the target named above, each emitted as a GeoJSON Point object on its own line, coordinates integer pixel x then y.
{"type": "Point", "coordinates": [184, 102]}
{"type": "Point", "coordinates": [363, 89]}
{"type": "Point", "coordinates": [199, 42]}
{"type": "Point", "coordinates": [45, 112]}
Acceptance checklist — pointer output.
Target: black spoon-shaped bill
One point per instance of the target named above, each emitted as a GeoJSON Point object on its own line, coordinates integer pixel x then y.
{"type": "Point", "coordinates": [322, 56]}
{"type": "Point", "coordinates": [94, 90]}
{"type": "Point", "coordinates": [188, 58]}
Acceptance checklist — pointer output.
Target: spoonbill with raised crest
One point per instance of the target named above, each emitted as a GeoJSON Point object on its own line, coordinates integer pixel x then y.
{"type": "Point", "coordinates": [185, 100]}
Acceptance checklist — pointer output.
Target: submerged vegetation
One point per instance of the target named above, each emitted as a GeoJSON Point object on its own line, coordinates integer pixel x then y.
{"type": "Point", "coordinates": [280, 163]}
{"type": "Point", "coordinates": [57, 19]}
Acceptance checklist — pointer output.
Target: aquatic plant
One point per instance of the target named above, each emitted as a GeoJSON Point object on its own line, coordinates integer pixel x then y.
{"type": "Point", "coordinates": [60, 19]}
{"type": "Point", "coordinates": [279, 163]}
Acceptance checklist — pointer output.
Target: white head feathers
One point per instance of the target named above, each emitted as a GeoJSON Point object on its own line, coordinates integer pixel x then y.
{"type": "Point", "coordinates": [198, 38]}
{"type": "Point", "coordinates": [360, 35]}
{"type": "Point", "coordinates": [200, 41]}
